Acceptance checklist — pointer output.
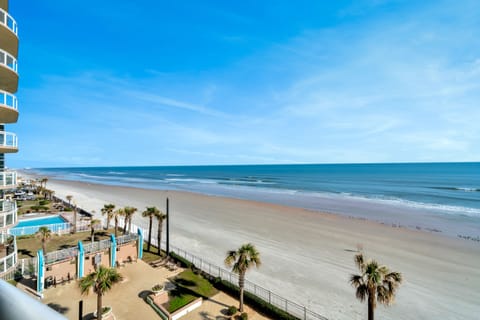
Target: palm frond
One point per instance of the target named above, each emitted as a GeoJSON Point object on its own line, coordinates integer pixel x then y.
{"type": "Point", "coordinates": [362, 292]}
{"type": "Point", "coordinates": [360, 262]}
{"type": "Point", "coordinates": [356, 280]}
{"type": "Point", "coordinates": [231, 257]}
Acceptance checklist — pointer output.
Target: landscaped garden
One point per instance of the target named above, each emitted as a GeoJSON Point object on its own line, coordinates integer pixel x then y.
{"type": "Point", "coordinates": [187, 287]}
{"type": "Point", "coordinates": [28, 245]}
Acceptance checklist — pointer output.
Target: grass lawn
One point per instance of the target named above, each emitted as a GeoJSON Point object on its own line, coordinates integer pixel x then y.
{"type": "Point", "coordinates": [39, 205]}
{"type": "Point", "coordinates": [27, 246]}
{"type": "Point", "coordinates": [178, 300]}
{"type": "Point", "coordinates": [195, 283]}
{"type": "Point", "coordinates": [152, 255]}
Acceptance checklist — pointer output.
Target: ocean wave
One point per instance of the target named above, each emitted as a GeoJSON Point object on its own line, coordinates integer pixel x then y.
{"type": "Point", "coordinates": [116, 172]}
{"type": "Point", "coordinates": [174, 175]}
{"type": "Point", "coordinates": [449, 209]}
{"type": "Point", "coordinates": [182, 180]}
{"type": "Point", "coordinates": [465, 189]}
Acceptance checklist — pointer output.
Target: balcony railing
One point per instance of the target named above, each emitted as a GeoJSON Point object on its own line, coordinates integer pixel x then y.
{"type": "Point", "coordinates": [8, 179]}
{"type": "Point", "coordinates": [8, 213]}
{"type": "Point", "coordinates": [8, 21]}
{"type": "Point", "coordinates": [8, 60]}
{"type": "Point", "coordinates": [8, 140]}
{"type": "Point", "coordinates": [8, 100]}
{"type": "Point", "coordinates": [8, 254]}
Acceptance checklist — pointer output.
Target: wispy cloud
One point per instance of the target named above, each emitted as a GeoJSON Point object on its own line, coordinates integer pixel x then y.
{"type": "Point", "coordinates": [379, 85]}
{"type": "Point", "coordinates": [164, 101]}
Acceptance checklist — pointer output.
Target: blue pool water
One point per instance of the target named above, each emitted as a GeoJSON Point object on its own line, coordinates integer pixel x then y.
{"type": "Point", "coordinates": [31, 226]}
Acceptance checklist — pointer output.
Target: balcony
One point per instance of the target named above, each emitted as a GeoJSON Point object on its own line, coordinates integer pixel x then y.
{"type": "Point", "coordinates": [8, 33]}
{"type": "Point", "coordinates": [8, 107]}
{"type": "Point", "coordinates": [8, 180]}
{"type": "Point", "coordinates": [8, 252]}
{"type": "Point", "coordinates": [8, 142]}
{"type": "Point", "coordinates": [8, 214]}
{"type": "Point", "coordinates": [8, 72]}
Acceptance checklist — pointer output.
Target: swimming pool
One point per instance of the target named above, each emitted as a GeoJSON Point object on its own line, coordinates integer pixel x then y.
{"type": "Point", "coordinates": [31, 226]}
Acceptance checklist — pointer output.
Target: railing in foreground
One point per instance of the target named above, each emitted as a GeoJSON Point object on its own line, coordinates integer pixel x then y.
{"type": "Point", "coordinates": [266, 295]}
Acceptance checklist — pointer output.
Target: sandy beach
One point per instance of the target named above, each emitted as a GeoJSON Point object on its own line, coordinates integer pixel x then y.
{"type": "Point", "coordinates": [308, 256]}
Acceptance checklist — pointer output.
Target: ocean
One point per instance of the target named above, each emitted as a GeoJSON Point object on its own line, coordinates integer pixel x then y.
{"type": "Point", "coordinates": [438, 197]}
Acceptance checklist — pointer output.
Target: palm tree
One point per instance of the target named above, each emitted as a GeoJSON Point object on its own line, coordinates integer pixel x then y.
{"type": "Point", "coordinates": [44, 182]}
{"type": "Point", "coordinates": [149, 213]}
{"type": "Point", "coordinates": [44, 234]}
{"type": "Point", "coordinates": [93, 224]}
{"type": "Point", "coordinates": [116, 214]}
{"type": "Point", "coordinates": [69, 198]}
{"type": "Point", "coordinates": [108, 210]}
{"type": "Point", "coordinates": [375, 282]}
{"type": "Point", "coordinates": [74, 230]}
{"type": "Point", "coordinates": [129, 212]}
{"type": "Point", "coordinates": [101, 281]}
{"type": "Point", "coordinates": [243, 259]}
{"type": "Point", "coordinates": [160, 217]}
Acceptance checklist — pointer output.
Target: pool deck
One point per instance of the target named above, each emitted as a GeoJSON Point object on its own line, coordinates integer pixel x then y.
{"type": "Point", "coordinates": [126, 298]}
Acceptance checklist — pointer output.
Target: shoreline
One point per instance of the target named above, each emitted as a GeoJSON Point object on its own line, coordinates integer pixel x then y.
{"type": "Point", "coordinates": [308, 255]}
{"type": "Point", "coordinates": [396, 215]}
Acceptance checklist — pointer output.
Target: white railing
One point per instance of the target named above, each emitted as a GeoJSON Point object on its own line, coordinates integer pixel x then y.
{"type": "Point", "coordinates": [10, 246]}
{"type": "Point", "coordinates": [8, 213]}
{"type": "Point", "coordinates": [8, 179]}
{"type": "Point", "coordinates": [57, 228]}
{"type": "Point", "coordinates": [61, 255]}
{"type": "Point", "coordinates": [96, 246]}
{"type": "Point", "coordinates": [8, 100]}
{"type": "Point", "coordinates": [7, 20]}
{"type": "Point", "coordinates": [8, 139]}
{"type": "Point", "coordinates": [266, 295]}
{"type": "Point", "coordinates": [8, 60]}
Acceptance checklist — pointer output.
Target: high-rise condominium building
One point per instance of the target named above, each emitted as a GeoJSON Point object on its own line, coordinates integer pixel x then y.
{"type": "Point", "coordinates": [8, 140]}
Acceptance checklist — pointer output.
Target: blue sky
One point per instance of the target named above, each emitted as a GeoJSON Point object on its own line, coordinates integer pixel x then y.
{"type": "Point", "coordinates": [232, 82]}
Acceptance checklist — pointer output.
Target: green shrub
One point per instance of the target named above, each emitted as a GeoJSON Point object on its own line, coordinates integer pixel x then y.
{"type": "Point", "coordinates": [244, 316]}
{"type": "Point", "coordinates": [39, 208]}
{"type": "Point", "coordinates": [43, 202]}
{"type": "Point", "coordinates": [231, 310]}
{"type": "Point", "coordinates": [184, 262]}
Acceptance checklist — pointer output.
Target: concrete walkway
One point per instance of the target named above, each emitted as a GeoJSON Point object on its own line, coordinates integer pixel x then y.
{"type": "Point", "coordinates": [126, 298]}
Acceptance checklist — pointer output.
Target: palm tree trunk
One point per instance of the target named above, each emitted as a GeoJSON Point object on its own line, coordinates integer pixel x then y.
{"type": "Point", "coordinates": [92, 233]}
{"type": "Point", "coordinates": [108, 222]}
{"type": "Point", "coordinates": [371, 304]}
{"type": "Point", "coordinates": [116, 226]}
{"type": "Point", "coordinates": [149, 233]}
{"type": "Point", "coordinates": [99, 306]}
{"type": "Point", "coordinates": [159, 237]}
{"type": "Point", "coordinates": [44, 247]}
{"type": "Point", "coordinates": [241, 284]}
{"type": "Point", "coordinates": [75, 219]}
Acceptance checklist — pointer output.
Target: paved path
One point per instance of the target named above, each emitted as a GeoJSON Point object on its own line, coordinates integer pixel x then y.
{"type": "Point", "coordinates": [125, 297]}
